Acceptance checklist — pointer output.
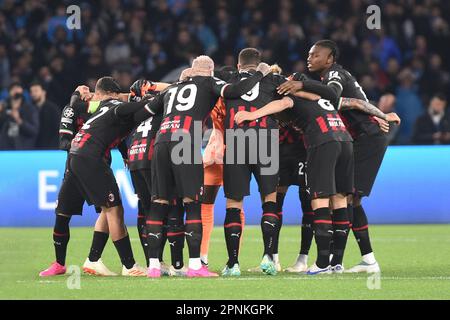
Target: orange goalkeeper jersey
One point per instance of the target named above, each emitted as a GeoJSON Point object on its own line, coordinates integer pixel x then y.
{"type": "Point", "coordinates": [213, 155]}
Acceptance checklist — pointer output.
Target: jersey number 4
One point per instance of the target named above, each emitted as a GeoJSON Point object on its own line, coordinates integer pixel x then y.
{"type": "Point", "coordinates": [185, 98]}
{"type": "Point", "coordinates": [145, 127]}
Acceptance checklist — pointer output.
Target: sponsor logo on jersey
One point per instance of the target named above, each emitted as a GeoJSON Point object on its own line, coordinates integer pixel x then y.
{"type": "Point", "coordinates": [66, 120]}
{"type": "Point", "coordinates": [170, 124]}
{"type": "Point", "coordinates": [140, 148]}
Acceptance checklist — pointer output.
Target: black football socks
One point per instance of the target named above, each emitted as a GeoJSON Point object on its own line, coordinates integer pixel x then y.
{"type": "Point", "coordinates": [307, 232]}
{"type": "Point", "coordinates": [233, 230]}
{"type": "Point", "coordinates": [142, 231]}
{"type": "Point", "coordinates": [193, 228]}
{"type": "Point", "coordinates": [340, 234]}
{"type": "Point", "coordinates": [269, 226]}
{"type": "Point", "coordinates": [323, 233]}
{"type": "Point", "coordinates": [61, 236]}
{"type": "Point", "coordinates": [276, 238]}
{"type": "Point", "coordinates": [360, 227]}
{"type": "Point", "coordinates": [99, 241]}
{"type": "Point", "coordinates": [155, 228]}
{"type": "Point", "coordinates": [175, 234]}
{"type": "Point", "coordinates": [123, 247]}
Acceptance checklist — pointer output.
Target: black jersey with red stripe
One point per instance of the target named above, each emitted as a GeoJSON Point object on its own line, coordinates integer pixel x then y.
{"type": "Point", "coordinates": [318, 120]}
{"type": "Point", "coordinates": [260, 95]}
{"type": "Point", "coordinates": [357, 122]}
{"type": "Point", "coordinates": [103, 131]}
{"type": "Point", "coordinates": [291, 141]}
{"type": "Point", "coordinates": [142, 142]}
{"type": "Point", "coordinates": [289, 135]}
{"type": "Point", "coordinates": [185, 103]}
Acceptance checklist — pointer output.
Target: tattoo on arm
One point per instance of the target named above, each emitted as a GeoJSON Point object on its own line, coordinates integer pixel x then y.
{"type": "Point", "coordinates": [364, 106]}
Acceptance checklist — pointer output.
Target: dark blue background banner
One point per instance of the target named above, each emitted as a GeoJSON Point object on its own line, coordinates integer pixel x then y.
{"type": "Point", "coordinates": [413, 186]}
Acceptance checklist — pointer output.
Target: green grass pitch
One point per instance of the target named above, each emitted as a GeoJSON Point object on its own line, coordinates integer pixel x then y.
{"type": "Point", "coordinates": [415, 264]}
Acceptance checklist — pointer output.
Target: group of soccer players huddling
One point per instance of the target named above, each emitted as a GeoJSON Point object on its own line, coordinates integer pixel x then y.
{"type": "Point", "coordinates": [322, 135]}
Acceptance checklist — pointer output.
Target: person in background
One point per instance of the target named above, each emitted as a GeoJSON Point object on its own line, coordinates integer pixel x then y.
{"type": "Point", "coordinates": [19, 121]}
{"type": "Point", "coordinates": [49, 116]}
{"type": "Point", "coordinates": [387, 105]}
{"type": "Point", "coordinates": [433, 127]}
{"type": "Point", "coordinates": [408, 105]}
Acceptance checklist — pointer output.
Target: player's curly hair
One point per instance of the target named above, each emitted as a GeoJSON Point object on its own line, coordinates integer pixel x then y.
{"type": "Point", "coordinates": [330, 44]}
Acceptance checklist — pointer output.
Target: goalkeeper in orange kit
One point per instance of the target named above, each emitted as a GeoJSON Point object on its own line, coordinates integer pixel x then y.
{"type": "Point", "coordinates": [213, 176]}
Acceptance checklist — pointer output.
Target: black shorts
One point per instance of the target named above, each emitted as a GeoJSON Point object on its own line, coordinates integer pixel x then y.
{"type": "Point", "coordinates": [96, 181]}
{"type": "Point", "coordinates": [70, 199]}
{"type": "Point", "coordinates": [176, 180]}
{"type": "Point", "coordinates": [142, 183]}
{"type": "Point", "coordinates": [330, 169]}
{"type": "Point", "coordinates": [368, 152]}
{"type": "Point", "coordinates": [237, 177]}
{"type": "Point", "coordinates": [292, 167]}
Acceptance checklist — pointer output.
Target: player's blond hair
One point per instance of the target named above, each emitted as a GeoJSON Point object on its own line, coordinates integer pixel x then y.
{"type": "Point", "coordinates": [275, 68]}
{"type": "Point", "coordinates": [202, 66]}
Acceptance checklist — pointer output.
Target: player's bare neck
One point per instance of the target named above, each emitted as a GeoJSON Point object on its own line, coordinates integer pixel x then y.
{"type": "Point", "coordinates": [247, 68]}
{"type": "Point", "coordinates": [326, 69]}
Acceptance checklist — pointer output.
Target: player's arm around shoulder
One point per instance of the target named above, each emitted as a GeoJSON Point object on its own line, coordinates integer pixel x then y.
{"type": "Point", "coordinates": [235, 90]}
{"type": "Point", "coordinates": [365, 106]}
{"type": "Point", "coordinates": [270, 108]}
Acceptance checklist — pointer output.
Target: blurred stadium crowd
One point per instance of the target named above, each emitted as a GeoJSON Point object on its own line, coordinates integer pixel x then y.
{"type": "Point", "coordinates": [41, 60]}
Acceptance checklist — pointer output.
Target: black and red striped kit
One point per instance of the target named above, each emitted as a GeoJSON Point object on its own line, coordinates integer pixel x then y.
{"type": "Point", "coordinates": [329, 168]}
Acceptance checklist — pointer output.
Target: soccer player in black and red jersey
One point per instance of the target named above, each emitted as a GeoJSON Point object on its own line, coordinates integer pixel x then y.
{"type": "Point", "coordinates": [293, 172]}
{"type": "Point", "coordinates": [246, 159]}
{"type": "Point", "coordinates": [70, 200]}
{"type": "Point", "coordinates": [370, 142]}
{"type": "Point", "coordinates": [177, 168]}
{"type": "Point", "coordinates": [139, 163]}
{"type": "Point", "coordinates": [329, 167]}
{"type": "Point", "coordinates": [107, 127]}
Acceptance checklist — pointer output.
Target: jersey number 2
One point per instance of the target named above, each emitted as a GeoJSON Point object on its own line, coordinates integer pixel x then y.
{"type": "Point", "coordinates": [87, 125]}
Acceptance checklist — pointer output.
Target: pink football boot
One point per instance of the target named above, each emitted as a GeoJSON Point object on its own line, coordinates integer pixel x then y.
{"type": "Point", "coordinates": [54, 270]}
{"type": "Point", "coordinates": [203, 272]}
{"type": "Point", "coordinates": [153, 273]}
